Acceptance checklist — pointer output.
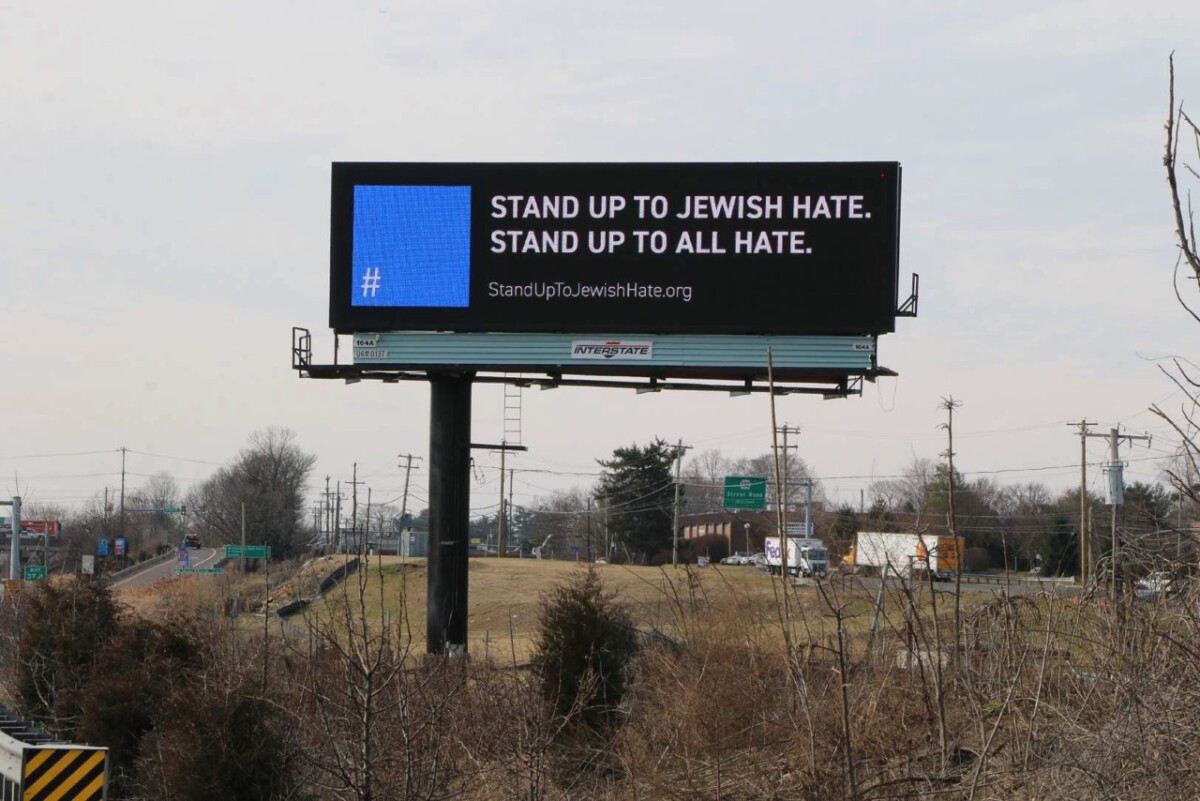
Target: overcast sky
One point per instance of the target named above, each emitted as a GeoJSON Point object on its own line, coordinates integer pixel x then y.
{"type": "Point", "coordinates": [164, 215]}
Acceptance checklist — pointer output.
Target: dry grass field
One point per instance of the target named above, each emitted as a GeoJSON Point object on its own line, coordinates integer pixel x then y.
{"type": "Point", "coordinates": [504, 597]}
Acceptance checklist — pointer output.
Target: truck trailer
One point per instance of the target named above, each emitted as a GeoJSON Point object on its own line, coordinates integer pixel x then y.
{"type": "Point", "coordinates": [806, 556]}
{"type": "Point", "coordinates": [904, 555]}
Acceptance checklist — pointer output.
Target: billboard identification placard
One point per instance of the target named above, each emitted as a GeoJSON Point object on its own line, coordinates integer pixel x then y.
{"type": "Point", "coordinates": [785, 248]}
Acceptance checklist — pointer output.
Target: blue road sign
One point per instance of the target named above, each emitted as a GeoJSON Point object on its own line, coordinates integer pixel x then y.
{"type": "Point", "coordinates": [102, 546]}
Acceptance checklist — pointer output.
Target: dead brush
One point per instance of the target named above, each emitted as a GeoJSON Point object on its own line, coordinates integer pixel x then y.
{"type": "Point", "coordinates": [720, 715]}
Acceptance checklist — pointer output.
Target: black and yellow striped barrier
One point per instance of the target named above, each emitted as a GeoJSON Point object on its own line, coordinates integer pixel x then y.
{"type": "Point", "coordinates": [63, 773]}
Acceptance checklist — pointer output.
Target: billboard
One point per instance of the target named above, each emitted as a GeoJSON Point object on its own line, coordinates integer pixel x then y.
{"type": "Point", "coordinates": [47, 527]}
{"type": "Point", "coordinates": [784, 248]}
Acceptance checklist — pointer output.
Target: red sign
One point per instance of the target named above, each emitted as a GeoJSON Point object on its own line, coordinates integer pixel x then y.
{"type": "Point", "coordinates": [49, 527]}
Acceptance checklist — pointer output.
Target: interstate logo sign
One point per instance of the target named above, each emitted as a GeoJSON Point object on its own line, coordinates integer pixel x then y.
{"type": "Point", "coordinates": [612, 349]}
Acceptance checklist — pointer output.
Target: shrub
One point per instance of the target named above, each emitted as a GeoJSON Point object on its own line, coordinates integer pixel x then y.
{"type": "Point", "coordinates": [584, 646]}
{"type": "Point", "coordinates": [62, 629]}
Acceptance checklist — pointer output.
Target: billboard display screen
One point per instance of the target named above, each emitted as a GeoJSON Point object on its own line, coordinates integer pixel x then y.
{"type": "Point", "coordinates": [786, 248]}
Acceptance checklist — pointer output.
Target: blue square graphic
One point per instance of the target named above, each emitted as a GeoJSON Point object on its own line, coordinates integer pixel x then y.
{"type": "Point", "coordinates": [412, 246]}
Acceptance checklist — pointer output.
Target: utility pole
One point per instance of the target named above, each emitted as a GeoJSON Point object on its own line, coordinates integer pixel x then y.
{"type": "Point", "coordinates": [950, 404]}
{"type": "Point", "coordinates": [337, 518]}
{"type": "Point", "coordinates": [354, 505]}
{"type": "Point", "coordinates": [243, 559]}
{"type": "Point", "coordinates": [367, 537]}
{"type": "Point", "coordinates": [1085, 550]}
{"type": "Point", "coordinates": [123, 491]}
{"type": "Point", "coordinates": [510, 506]}
{"type": "Point", "coordinates": [407, 473]}
{"type": "Point", "coordinates": [1116, 490]}
{"type": "Point", "coordinates": [500, 517]}
{"type": "Point", "coordinates": [679, 451]}
{"type": "Point", "coordinates": [783, 493]}
{"type": "Point", "coordinates": [14, 544]}
{"type": "Point", "coordinates": [328, 513]}
{"type": "Point", "coordinates": [607, 533]}
{"type": "Point", "coordinates": [588, 521]}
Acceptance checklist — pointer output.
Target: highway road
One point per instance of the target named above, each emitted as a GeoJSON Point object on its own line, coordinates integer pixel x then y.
{"type": "Point", "coordinates": [198, 557]}
{"type": "Point", "coordinates": [990, 583]}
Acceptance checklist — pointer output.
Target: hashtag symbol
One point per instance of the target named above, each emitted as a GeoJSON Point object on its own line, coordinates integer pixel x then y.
{"type": "Point", "coordinates": [371, 281]}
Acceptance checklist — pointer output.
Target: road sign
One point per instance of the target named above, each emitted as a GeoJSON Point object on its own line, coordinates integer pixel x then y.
{"type": "Point", "coordinates": [250, 551]}
{"type": "Point", "coordinates": [182, 555]}
{"type": "Point", "coordinates": [178, 570]}
{"type": "Point", "coordinates": [119, 546]}
{"type": "Point", "coordinates": [35, 572]}
{"type": "Point", "coordinates": [745, 492]}
{"type": "Point", "coordinates": [63, 771]}
{"type": "Point", "coordinates": [87, 565]}
{"type": "Point", "coordinates": [102, 546]}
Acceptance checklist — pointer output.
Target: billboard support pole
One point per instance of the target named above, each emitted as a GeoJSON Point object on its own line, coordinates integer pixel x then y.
{"type": "Point", "coordinates": [449, 512]}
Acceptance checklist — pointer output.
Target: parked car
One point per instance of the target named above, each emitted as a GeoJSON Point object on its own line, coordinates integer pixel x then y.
{"type": "Point", "coordinates": [739, 558]}
{"type": "Point", "coordinates": [1158, 583]}
{"type": "Point", "coordinates": [759, 559]}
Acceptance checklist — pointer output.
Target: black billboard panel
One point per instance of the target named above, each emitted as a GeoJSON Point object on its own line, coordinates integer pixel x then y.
{"type": "Point", "coordinates": [789, 248]}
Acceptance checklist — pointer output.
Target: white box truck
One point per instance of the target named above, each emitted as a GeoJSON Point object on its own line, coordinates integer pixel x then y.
{"type": "Point", "coordinates": [806, 556]}
{"type": "Point", "coordinates": [898, 554]}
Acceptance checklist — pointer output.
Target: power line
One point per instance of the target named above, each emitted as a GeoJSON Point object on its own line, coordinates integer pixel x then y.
{"type": "Point", "coordinates": [174, 458]}
{"type": "Point", "coordinates": [53, 455]}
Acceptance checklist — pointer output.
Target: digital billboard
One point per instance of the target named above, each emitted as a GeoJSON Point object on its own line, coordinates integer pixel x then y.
{"type": "Point", "coordinates": [673, 248]}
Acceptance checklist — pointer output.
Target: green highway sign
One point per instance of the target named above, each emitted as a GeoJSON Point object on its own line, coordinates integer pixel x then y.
{"type": "Point", "coordinates": [35, 572]}
{"type": "Point", "coordinates": [250, 551]}
{"type": "Point", "coordinates": [178, 570]}
{"type": "Point", "coordinates": [745, 492]}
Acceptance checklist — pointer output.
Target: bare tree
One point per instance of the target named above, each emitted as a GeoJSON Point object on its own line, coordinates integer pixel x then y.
{"type": "Point", "coordinates": [375, 720]}
{"type": "Point", "coordinates": [703, 479]}
{"type": "Point", "coordinates": [798, 471]}
{"type": "Point", "coordinates": [1183, 132]}
{"type": "Point", "coordinates": [152, 523]}
{"type": "Point", "coordinates": [909, 492]}
{"type": "Point", "coordinates": [268, 478]}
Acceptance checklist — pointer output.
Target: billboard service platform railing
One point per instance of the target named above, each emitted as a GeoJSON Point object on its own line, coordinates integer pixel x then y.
{"type": "Point", "coordinates": [670, 355]}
